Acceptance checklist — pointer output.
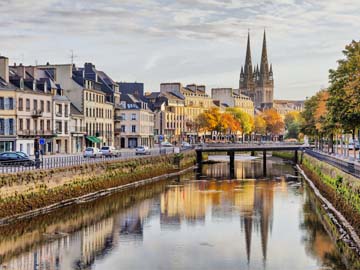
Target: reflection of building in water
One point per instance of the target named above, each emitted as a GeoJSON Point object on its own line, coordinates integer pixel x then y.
{"type": "Point", "coordinates": [96, 239]}
{"type": "Point", "coordinates": [44, 257]}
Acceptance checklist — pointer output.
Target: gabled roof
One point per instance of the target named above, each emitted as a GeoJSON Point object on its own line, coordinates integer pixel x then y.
{"type": "Point", "coordinates": [74, 110]}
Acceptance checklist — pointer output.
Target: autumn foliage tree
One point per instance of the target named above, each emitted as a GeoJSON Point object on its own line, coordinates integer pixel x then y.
{"type": "Point", "coordinates": [274, 122]}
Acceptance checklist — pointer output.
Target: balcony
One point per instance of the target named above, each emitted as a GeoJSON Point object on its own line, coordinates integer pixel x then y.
{"type": "Point", "coordinates": [35, 133]}
{"type": "Point", "coordinates": [58, 131]}
{"type": "Point", "coordinates": [37, 113]}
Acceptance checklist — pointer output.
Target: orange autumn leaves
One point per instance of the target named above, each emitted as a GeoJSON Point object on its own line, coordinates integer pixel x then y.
{"type": "Point", "coordinates": [234, 120]}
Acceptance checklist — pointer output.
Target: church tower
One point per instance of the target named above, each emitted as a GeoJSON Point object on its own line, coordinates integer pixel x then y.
{"type": "Point", "coordinates": [247, 83]}
{"type": "Point", "coordinates": [264, 83]}
{"type": "Point", "coordinates": [258, 84]}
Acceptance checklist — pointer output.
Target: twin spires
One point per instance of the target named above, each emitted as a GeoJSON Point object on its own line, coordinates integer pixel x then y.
{"type": "Point", "coordinates": [248, 73]}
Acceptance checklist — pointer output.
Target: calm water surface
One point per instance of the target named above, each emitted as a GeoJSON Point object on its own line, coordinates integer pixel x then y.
{"type": "Point", "coordinates": [211, 223]}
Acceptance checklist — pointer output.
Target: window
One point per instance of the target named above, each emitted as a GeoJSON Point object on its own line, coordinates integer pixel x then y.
{"type": "Point", "coordinates": [27, 104]}
{"type": "Point", "coordinates": [48, 127]}
{"type": "Point", "coordinates": [59, 110]}
{"type": "Point", "coordinates": [123, 116]}
{"type": "Point", "coordinates": [133, 128]}
{"type": "Point", "coordinates": [21, 104]}
{"type": "Point", "coordinates": [21, 124]}
{"type": "Point", "coordinates": [42, 107]}
{"type": "Point", "coordinates": [87, 112]}
{"type": "Point", "coordinates": [2, 103]}
{"type": "Point", "coordinates": [27, 124]}
{"type": "Point", "coordinates": [122, 128]}
{"type": "Point", "coordinates": [11, 103]}
{"type": "Point", "coordinates": [66, 110]}
{"type": "Point", "coordinates": [2, 126]}
{"type": "Point", "coordinates": [48, 106]}
{"type": "Point", "coordinates": [42, 125]}
{"type": "Point", "coordinates": [58, 127]}
{"type": "Point", "coordinates": [11, 126]}
{"type": "Point", "coordinates": [35, 104]}
{"type": "Point", "coordinates": [133, 116]}
{"type": "Point", "coordinates": [35, 125]}
{"type": "Point", "coordinates": [66, 127]}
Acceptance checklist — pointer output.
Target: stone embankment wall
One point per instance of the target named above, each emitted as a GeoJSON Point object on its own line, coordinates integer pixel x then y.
{"type": "Point", "coordinates": [26, 191]}
{"type": "Point", "coordinates": [340, 188]}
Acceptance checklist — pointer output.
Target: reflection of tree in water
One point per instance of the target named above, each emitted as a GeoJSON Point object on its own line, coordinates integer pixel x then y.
{"type": "Point", "coordinates": [317, 242]}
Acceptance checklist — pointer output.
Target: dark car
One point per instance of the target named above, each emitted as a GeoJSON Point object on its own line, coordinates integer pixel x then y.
{"type": "Point", "coordinates": [15, 159]}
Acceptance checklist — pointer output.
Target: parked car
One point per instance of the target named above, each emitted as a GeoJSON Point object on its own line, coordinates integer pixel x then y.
{"type": "Point", "coordinates": [142, 150]}
{"type": "Point", "coordinates": [15, 159]}
{"type": "Point", "coordinates": [166, 144]}
{"type": "Point", "coordinates": [186, 145]}
{"type": "Point", "coordinates": [22, 153]}
{"type": "Point", "coordinates": [110, 151]}
{"type": "Point", "coordinates": [92, 152]}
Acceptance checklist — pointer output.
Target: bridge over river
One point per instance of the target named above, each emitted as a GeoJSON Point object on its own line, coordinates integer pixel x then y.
{"type": "Point", "coordinates": [231, 149]}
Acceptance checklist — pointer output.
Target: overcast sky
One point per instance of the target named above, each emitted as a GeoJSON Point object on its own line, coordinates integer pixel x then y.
{"type": "Point", "coordinates": [190, 41]}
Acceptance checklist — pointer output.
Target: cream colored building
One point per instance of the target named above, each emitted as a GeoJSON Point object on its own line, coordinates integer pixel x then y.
{"type": "Point", "coordinates": [7, 108]}
{"type": "Point", "coordinates": [176, 108]}
{"type": "Point", "coordinates": [85, 92]}
{"type": "Point", "coordinates": [233, 98]}
{"type": "Point", "coordinates": [137, 122]}
{"type": "Point", "coordinates": [285, 106]}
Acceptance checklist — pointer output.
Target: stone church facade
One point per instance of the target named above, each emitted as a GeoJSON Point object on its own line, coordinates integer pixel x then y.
{"type": "Point", "coordinates": [257, 83]}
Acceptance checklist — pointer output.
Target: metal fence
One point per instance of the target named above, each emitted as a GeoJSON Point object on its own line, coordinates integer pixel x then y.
{"type": "Point", "coordinates": [347, 166]}
{"type": "Point", "coordinates": [48, 162]}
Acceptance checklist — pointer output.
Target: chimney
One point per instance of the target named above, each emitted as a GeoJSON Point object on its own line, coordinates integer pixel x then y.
{"type": "Point", "coordinates": [4, 68]}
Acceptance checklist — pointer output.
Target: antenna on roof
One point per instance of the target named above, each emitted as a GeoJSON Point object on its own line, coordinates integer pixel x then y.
{"type": "Point", "coordinates": [72, 56]}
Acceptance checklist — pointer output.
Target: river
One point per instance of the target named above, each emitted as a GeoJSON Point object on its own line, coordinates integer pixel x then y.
{"type": "Point", "coordinates": [189, 222]}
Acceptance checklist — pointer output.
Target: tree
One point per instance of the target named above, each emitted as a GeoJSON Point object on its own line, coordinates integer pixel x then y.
{"type": "Point", "coordinates": [246, 121]}
{"type": "Point", "coordinates": [344, 91]}
{"type": "Point", "coordinates": [274, 122]}
{"type": "Point", "coordinates": [259, 125]}
{"type": "Point", "coordinates": [293, 121]}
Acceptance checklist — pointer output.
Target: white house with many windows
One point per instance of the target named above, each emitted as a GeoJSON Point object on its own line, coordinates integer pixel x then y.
{"type": "Point", "coordinates": [137, 122]}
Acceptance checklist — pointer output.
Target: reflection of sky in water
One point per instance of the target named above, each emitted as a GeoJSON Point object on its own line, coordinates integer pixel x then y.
{"type": "Point", "coordinates": [252, 224]}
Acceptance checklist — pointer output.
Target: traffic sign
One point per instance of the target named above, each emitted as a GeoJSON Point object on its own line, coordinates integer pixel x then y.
{"type": "Point", "coordinates": [42, 141]}
{"type": "Point", "coordinates": [161, 138]}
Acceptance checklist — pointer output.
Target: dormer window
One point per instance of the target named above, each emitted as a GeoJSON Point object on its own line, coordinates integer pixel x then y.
{"type": "Point", "coordinates": [34, 85]}
{"type": "Point", "coordinates": [22, 84]}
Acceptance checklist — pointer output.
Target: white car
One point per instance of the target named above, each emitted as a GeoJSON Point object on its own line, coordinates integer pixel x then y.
{"type": "Point", "coordinates": [185, 145]}
{"type": "Point", "coordinates": [110, 151]}
{"type": "Point", "coordinates": [166, 144]}
{"type": "Point", "coordinates": [142, 150]}
{"type": "Point", "coordinates": [92, 152]}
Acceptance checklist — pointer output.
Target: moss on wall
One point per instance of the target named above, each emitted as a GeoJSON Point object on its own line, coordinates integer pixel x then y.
{"type": "Point", "coordinates": [340, 188]}
{"type": "Point", "coordinates": [81, 180]}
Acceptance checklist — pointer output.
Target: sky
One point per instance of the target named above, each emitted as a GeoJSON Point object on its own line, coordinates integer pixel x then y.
{"type": "Point", "coordinates": [187, 41]}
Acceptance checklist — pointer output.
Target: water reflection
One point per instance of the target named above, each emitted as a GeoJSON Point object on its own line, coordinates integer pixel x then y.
{"type": "Point", "coordinates": [182, 224]}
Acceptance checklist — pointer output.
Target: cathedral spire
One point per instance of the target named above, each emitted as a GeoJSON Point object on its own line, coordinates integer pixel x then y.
{"type": "Point", "coordinates": [264, 66]}
{"type": "Point", "coordinates": [248, 64]}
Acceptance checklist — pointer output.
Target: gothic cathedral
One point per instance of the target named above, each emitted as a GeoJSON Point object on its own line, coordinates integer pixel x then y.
{"type": "Point", "coordinates": [255, 83]}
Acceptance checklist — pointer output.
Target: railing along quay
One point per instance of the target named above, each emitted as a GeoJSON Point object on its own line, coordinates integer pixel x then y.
{"type": "Point", "coordinates": [49, 162]}
{"type": "Point", "coordinates": [347, 166]}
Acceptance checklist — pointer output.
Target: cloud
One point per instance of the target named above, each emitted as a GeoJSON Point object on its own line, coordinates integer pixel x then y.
{"type": "Point", "coordinates": [136, 36]}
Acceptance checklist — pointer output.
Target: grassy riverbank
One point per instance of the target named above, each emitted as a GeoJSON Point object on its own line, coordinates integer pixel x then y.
{"type": "Point", "coordinates": [26, 191]}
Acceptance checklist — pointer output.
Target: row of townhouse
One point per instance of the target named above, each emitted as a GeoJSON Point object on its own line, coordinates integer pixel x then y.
{"type": "Point", "coordinates": [68, 108]}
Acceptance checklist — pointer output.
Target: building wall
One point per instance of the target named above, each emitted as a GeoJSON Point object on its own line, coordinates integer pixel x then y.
{"type": "Point", "coordinates": [137, 125]}
{"type": "Point", "coordinates": [34, 126]}
{"type": "Point", "coordinates": [7, 120]}
{"type": "Point", "coordinates": [99, 116]}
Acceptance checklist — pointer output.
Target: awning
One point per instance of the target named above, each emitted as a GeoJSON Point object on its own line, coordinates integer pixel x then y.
{"type": "Point", "coordinates": [93, 139]}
